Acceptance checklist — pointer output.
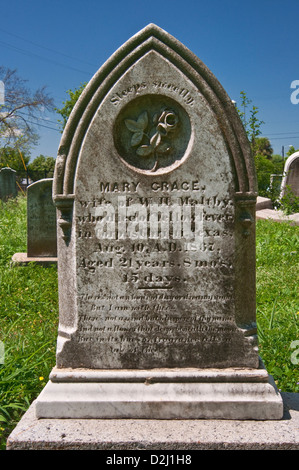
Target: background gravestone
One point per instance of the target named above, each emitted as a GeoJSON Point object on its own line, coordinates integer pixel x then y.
{"type": "Point", "coordinates": [291, 175]}
{"type": "Point", "coordinates": [41, 225]}
{"type": "Point", "coordinates": [41, 220]}
{"type": "Point", "coordinates": [8, 186]}
{"type": "Point", "coordinates": [156, 192]}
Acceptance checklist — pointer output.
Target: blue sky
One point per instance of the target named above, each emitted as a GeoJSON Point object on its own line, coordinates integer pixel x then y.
{"type": "Point", "coordinates": [248, 45]}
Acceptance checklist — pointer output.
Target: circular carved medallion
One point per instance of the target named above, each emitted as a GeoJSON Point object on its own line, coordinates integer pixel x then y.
{"type": "Point", "coordinates": [152, 133]}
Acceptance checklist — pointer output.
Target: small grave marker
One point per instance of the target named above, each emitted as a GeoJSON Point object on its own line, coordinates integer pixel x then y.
{"type": "Point", "coordinates": [8, 186]}
{"type": "Point", "coordinates": [41, 225]}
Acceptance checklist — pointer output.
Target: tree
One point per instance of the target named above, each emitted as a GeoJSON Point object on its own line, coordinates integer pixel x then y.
{"type": "Point", "coordinates": [13, 158]}
{"type": "Point", "coordinates": [66, 110]}
{"type": "Point", "coordinates": [262, 146]}
{"type": "Point", "coordinates": [267, 165]}
{"type": "Point", "coordinates": [251, 123]}
{"type": "Point", "coordinates": [265, 168]}
{"type": "Point", "coordinates": [20, 110]}
{"type": "Point", "coordinates": [41, 167]}
{"type": "Point", "coordinates": [291, 151]}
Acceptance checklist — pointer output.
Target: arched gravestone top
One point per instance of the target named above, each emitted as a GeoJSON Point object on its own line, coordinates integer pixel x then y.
{"type": "Point", "coordinates": [153, 38]}
{"type": "Point", "coordinates": [155, 135]}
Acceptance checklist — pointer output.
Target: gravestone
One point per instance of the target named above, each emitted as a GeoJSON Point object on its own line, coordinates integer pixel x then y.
{"type": "Point", "coordinates": [41, 220]}
{"type": "Point", "coordinates": [291, 175]}
{"type": "Point", "coordinates": [41, 225]}
{"type": "Point", "coordinates": [156, 190]}
{"type": "Point", "coordinates": [8, 186]}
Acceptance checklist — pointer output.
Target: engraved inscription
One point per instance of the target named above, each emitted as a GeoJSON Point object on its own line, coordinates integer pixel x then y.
{"type": "Point", "coordinates": [158, 85]}
{"type": "Point", "coordinates": [41, 219]}
{"type": "Point", "coordinates": [148, 323]}
{"type": "Point", "coordinates": [170, 302]}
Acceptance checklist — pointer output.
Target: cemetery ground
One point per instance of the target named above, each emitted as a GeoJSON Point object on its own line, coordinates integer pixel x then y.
{"type": "Point", "coordinates": [29, 313]}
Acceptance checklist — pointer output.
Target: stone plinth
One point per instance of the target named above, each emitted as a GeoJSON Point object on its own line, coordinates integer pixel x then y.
{"type": "Point", "coordinates": [24, 259]}
{"type": "Point", "coordinates": [152, 434]}
{"type": "Point", "coordinates": [160, 394]}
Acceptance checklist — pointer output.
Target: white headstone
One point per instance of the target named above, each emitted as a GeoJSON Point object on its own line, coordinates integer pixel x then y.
{"type": "Point", "coordinates": [291, 175]}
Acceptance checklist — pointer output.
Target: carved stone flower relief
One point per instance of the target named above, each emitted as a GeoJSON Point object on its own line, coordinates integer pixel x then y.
{"type": "Point", "coordinates": [152, 137]}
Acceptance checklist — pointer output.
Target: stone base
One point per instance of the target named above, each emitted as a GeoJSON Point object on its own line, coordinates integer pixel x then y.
{"type": "Point", "coordinates": [277, 216]}
{"type": "Point", "coordinates": [152, 434]}
{"type": "Point", "coordinates": [240, 394]}
{"type": "Point", "coordinates": [263, 203]}
{"type": "Point", "coordinates": [23, 259]}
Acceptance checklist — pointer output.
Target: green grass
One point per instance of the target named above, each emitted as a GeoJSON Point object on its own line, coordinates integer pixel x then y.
{"type": "Point", "coordinates": [277, 254]}
{"type": "Point", "coordinates": [29, 312]}
{"type": "Point", "coordinates": [28, 320]}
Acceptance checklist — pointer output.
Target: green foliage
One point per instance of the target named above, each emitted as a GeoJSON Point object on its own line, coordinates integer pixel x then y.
{"type": "Point", "coordinates": [251, 123]}
{"type": "Point", "coordinates": [266, 167]}
{"type": "Point", "coordinates": [292, 150]}
{"type": "Point", "coordinates": [289, 203]}
{"type": "Point", "coordinates": [13, 158]}
{"type": "Point", "coordinates": [262, 146]}
{"type": "Point", "coordinates": [41, 167]}
{"type": "Point", "coordinates": [278, 159]}
{"type": "Point", "coordinates": [265, 163]}
{"type": "Point", "coordinates": [69, 104]}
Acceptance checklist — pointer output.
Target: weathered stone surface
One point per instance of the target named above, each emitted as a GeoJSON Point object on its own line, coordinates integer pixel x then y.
{"type": "Point", "coordinates": [263, 203]}
{"type": "Point", "coordinates": [144, 298]}
{"type": "Point", "coordinates": [8, 186]}
{"type": "Point", "coordinates": [156, 192]}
